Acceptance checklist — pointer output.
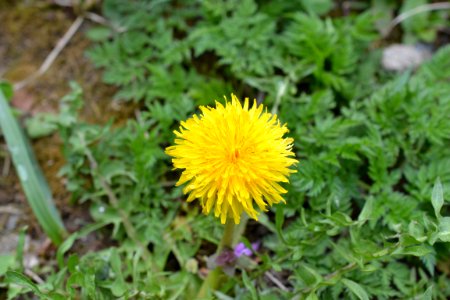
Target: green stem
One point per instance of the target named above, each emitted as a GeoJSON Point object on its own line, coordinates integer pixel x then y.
{"type": "Point", "coordinates": [212, 281]}
{"type": "Point", "coordinates": [227, 238]}
{"type": "Point", "coordinates": [240, 228]}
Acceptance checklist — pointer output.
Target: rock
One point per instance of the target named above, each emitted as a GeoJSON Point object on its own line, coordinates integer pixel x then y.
{"type": "Point", "coordinates": [399, 57]}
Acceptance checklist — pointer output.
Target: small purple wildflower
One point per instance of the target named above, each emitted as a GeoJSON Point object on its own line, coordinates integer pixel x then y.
{"type": "Point", "coordinates": [241, 249]}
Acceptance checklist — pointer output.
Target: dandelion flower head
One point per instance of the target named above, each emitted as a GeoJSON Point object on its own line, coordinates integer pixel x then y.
{"type": "Point", "coordinates": [233, 157]}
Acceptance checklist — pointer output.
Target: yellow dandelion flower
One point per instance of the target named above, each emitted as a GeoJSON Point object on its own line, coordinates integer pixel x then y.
{"type": "Point", "coordinates": [233, 155]}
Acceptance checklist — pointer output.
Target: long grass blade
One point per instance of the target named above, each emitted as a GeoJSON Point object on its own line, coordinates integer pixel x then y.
{"type": "Point", "coordinates": [31, 177]}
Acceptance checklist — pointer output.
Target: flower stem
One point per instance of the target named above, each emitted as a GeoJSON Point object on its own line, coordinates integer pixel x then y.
{"type": "Point", "coordinates": [240, 228]}
{"type": "Point", "coordinates": [212, 281]}
{"type": "Point", "coordinates": [227, 238]}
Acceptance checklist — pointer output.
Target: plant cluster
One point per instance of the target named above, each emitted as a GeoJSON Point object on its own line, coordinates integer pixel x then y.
{"type": "Point", "coordinates": [366, 214]}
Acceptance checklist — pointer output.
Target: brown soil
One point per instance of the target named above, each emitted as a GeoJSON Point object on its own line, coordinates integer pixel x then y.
{"type": "Point", "coordinates": [28, 33]}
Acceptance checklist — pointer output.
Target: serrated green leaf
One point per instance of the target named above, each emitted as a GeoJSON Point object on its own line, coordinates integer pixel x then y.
{"type": "Point", "coordinates": [428, 295]}
{"type": "Point", "coordinates": [356, 289]}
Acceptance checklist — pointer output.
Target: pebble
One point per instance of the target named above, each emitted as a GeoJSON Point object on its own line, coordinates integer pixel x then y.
{"type": "Point", "coordinates": [399, 57]}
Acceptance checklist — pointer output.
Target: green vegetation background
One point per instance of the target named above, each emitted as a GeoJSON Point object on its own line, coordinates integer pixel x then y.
{"type": "Point", "coordinates": [366, 214]}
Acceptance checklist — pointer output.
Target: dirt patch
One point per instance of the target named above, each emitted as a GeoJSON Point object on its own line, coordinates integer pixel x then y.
{"type": "Point", "coordinates": [28, 34]}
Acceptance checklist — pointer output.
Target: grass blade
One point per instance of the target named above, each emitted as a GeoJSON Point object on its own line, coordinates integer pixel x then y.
{"type": "Point", "coordinates": [33, 181]}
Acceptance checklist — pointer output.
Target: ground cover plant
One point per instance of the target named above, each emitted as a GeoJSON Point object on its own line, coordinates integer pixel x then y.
{"type": "Point", "coordinates": [366, 213]}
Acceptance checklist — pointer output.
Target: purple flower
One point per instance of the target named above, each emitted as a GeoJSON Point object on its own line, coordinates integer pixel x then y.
{"type": "Point", "coordinates": [240, 249]}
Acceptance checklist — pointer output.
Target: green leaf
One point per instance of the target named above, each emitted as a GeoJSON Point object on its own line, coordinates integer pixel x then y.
{"type": "Point", "coordinates": [33, 181]}
{"type": "Point", "coordinates": [428, 295]}
{"type": "Point", "coordinates": [437, 197]}
{"type": "Point", "coordinates": [367, 210]}
{"type": "Point", "coordinates": [22, 280]}
{"type": "Point", "coordinates": [222, 296]}
{"type": "Point", "coordinates": [309, 275]}
{"type": "Point", "coordinates": [279, 220]}
{"type": "Point", "coordinates": [41, 125]}
{"type": "Point", "coordinates": [6, 262]}
{"type": "Point", "coordinates": [319, 7]}
{"type": "Point", "coordinates": [99, 34]}
{"type": "Point", "coordinates": [356, 289]}
{"type": "Point", "coordinates": [415, 250]}
{"type": "Point", "coordinates": [64, 247]}
{"type": "Point", "coordinates": [20, 247]}
{"type": "Point", "coordinates": [68, 243]}
{"type": "Point", "coordinates": [119, 287]}
{"type": "Point", "coordinates": [249, 285]}
{"type": "Point", "coordinates": [444, 229]}
{"type": "Point", "coordinates": [416, 22]}
{"type": "Point", "coordinates": [7, 90]}
{"type": "Point", "coordinates": [72, 262]}
{"type": "Point", "coordinates": [312, 296]}
{"type": "Point", "coordinates": [429, 261]}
